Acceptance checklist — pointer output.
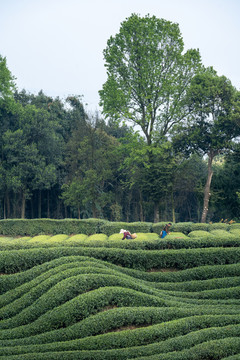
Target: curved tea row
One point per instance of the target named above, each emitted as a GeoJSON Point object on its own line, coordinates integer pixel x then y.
{"type": "Point", "coordinates": [82, 302]}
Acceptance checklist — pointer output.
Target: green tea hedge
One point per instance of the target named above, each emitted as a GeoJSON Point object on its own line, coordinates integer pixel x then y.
{"type": "Point", "coordinates": [19, 260]}
{"type": "Point", "coordinates": [32, 227]}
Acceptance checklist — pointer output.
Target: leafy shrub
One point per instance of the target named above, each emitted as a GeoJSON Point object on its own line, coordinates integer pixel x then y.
{"type": "Point", "coordinates": [58, 238]}
{"type": "Point", "coordinates": [235, 231]}
{"type": "Point", "coordinates": [24, 238]}
{"type": "Point", "coordinates": [77, 237]}
{"type": "Point", "coordinates": [110, 228]}
{"type": "Point", "coordinates": [200, 226]}
{"type": "Point", "coordinates": [166, 339]}
{"type": "Point", "coordinates": [147, 236]}
{"type": "Point", "coordinates": [19, 260]}
{"type": "Point", "coordinates": [43, 271]}
{"type": "Point", "coordinates": [184, 227]}
{"type": "Point", "coordinates": [219, 226]}
{"type": "Point", "coordinates": [94, 297]}
{"type": "Point", "coordinates": [176, 235]}
{"type": "Point", "coordinates": [144, 241]}
{"type": "Point", "coordinates": [39, 238]}
{"type": "Point", "coordinates": [222, 233]}
{"type": "Point", "coordinates": [157, 227]}
{"type": "Point", "coordinates": [235, 226]}
{"type": "Point", "coordinates": [115, 237]}
{"type": "Point", "coordinates": [199, 234]}
{"type": "Point", "coordinates": [101, 237]}
{"type": "Point", "coordinates": [34, 227]}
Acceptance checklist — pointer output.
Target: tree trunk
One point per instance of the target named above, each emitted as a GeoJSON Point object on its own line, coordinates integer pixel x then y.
{"type": "Point", "coordinates": [58, 209]}
{"type": "Point", "coordinates": [4, 209]}
{"type": "Point", "coordinates": [94, 210]}
{"type": "Point", "coordinates": [173, 208]}
{"type": "Point", "coordinates": [7, 203]}
{"type": "Point", "coordinates": [207, 193]}
{"type": "Point", "coordinates": [128, 209]}
{"type": "Point", "coordinates": [141, 207]}
{"type": "Point", "coordinates": [17, 205]}
{"type": "Point", "coordinates": [39, 204]}
{"type": "Point", "coordinates": [79, 213]}
{"type": "Point", "coordinates": [156, 212]}
{"type": "Point", "coordinates": [23, 206]}
{"type": "Point", "coordinates": [32, 208]}
{"type": "Point", "coordinates": [48, 205]}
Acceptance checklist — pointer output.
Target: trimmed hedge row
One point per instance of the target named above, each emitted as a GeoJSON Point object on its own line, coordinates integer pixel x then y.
{"type": "Point", "coordinates": [122, 340]}
{"type": "Point", "coordinates": [53, 293]}
{"type": "Point", "coordinates": [222, 293]}
{"type": "Point", "coordinates": [20, 260]}
{"type": "Point", "coordinates": [200, 285]}
{"type": "Point", "coordinates": [160, 331]}
{"type": "Point", "coordinates": [148, 242]}
{"type": "Point", "coordinates": [45, 270]}
{"type": "Point", "coordinates": [53, 267]}
{"type": "Point", "coordinates": [25, 294]}
{"type": "Point", "coordinates": [110, 228]}
{"type": "Point", "coordinates": [99, 302]}
{"type": "Point", "coordinates": [118, 318]}
{"type": "Point", "coordinates": [214, 350]}
{"type": "Point", "coordinates": [32, 227]}
{"type": "Point", "coordinates": [169, 349]}
{"type": "Point", "coordinates": [82, 306]}
{"type": "Point", "coordinates": [33, 295]}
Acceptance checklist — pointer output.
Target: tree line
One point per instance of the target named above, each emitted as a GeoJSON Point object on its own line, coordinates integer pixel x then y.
{"type": "Point", "coordinates": [179, 162]}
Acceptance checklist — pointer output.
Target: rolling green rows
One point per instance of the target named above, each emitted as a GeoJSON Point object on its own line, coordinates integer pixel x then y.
{"type": "Point", "coordinates": [33, 227]}
{"type": "Point", "coordinates": [145, 241]}
{"type": "Point", "coordinates": [69, 283]}
{"type": "Point", "coordinates": [99, 302]}
{"type": "Point", "coordinates": [134, 343]}
{"type": "Point", "coordinates": [20, 260]}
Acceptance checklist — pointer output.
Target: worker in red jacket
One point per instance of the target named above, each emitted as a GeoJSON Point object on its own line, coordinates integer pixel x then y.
{"type": "Point", "coordinates": [126, 234]}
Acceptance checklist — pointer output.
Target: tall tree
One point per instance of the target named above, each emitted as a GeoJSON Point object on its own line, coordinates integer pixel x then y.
{"type": "Point", "coordinates": [89, 163]}
{"type": "Point", "coordinates": [213, 127]}
{"type": "Point", "coordinates": [8, 120]}
{"type": "Point", "coordinates": [153, 179]}
{"type": "Point", "coordinates": [21, 163]}
{"type": "Point", "coordinates": [148, 75]}
{"type": "Point", "coordinates": [6, 80]}
{"type": "Point", "coordinates": [189, 176]}
{"type": "Point", "coordinates": [226, 186]}
{"type": "Point", "coordinates": [41, 120]}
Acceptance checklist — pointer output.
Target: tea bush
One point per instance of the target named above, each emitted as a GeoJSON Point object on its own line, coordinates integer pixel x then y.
{"type": "Point", "coordinates": [90, 295]}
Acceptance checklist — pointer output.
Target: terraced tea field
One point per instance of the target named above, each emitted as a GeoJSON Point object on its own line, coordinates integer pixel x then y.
{"type": "Point", "coordinates": [98, 297]}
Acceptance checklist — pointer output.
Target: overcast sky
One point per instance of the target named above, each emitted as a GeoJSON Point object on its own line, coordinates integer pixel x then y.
{"type": "Point", "coordinates": [57, 45]}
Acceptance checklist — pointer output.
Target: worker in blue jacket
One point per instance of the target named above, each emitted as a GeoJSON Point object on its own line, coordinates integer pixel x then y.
{"type": "Point", "coordinates": [165, 230]}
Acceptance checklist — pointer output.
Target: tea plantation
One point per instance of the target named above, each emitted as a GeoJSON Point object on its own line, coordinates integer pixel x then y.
{"type": "Point", "coordinates": [96, 297]}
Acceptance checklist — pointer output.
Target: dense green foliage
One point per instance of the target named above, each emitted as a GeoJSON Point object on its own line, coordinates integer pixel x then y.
{"type": "Point", "coordinates": [15, 227]}
{"type": "Point", "coordinates": [70, 287]}
{"type": "Point", "coordinates": [73, 297]}
{"type": "Point", "coordinates": [58, 161]}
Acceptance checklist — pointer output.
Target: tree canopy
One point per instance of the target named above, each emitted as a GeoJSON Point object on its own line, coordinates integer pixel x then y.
{"type": "Point", "coordinates": [148, 75]}
{"type": "Point", "coordinates": [58, 160]}
{"type": "Point", "coordinates": [212, 127]}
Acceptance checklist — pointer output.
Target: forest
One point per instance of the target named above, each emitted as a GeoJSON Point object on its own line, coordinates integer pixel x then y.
{"type": "Point", "coordinates": [165, 146]}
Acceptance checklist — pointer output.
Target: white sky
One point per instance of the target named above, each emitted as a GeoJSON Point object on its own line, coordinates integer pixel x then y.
{"type": "Point", "coordinates": [57, 45]}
